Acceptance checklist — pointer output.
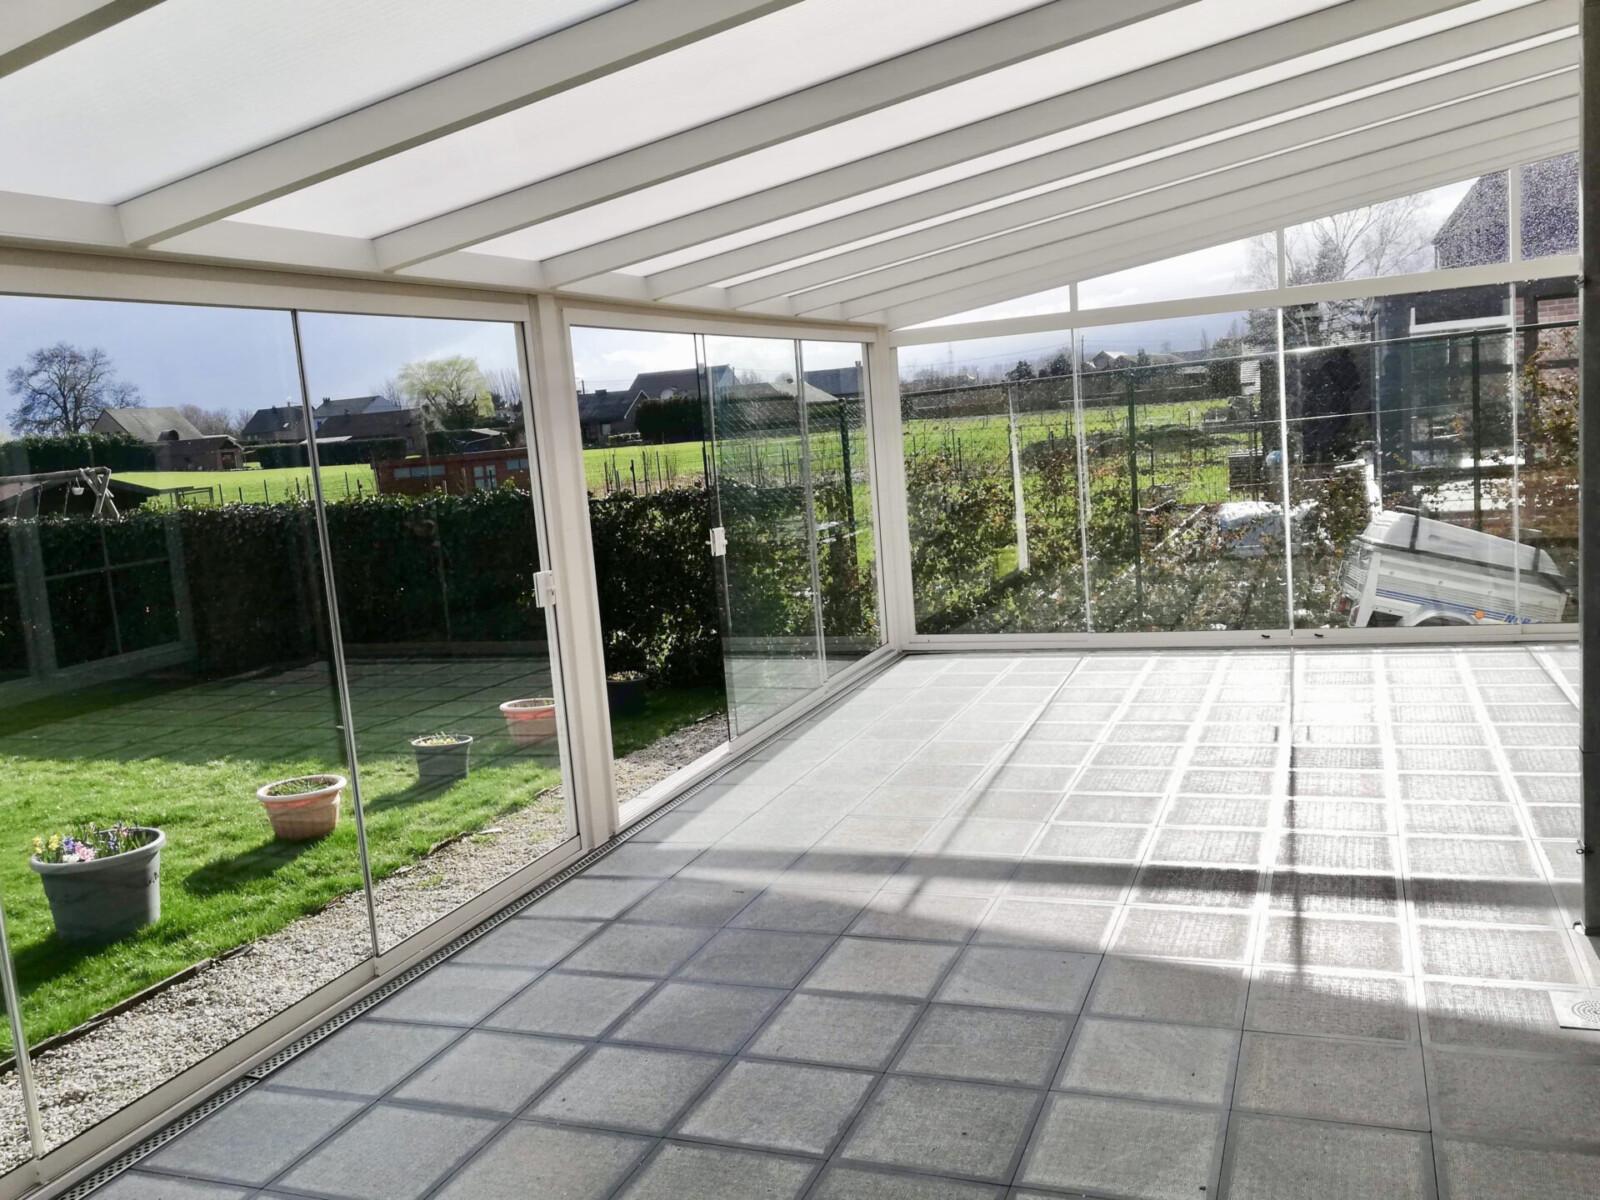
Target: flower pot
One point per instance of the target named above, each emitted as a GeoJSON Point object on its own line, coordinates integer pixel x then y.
{"type": "Point", "coordinates": [529, 722]}
{"type": "Point", "coordinates": [625, 693]}
{"type": "Point", "coordinates": [304, 815]}
{"type": "Point", "coordinates": [442, 761]}
{"type": "Point", "coordinates": [106, 898]}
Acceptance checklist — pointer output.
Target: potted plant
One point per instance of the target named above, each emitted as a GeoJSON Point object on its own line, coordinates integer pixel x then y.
{"type": "Point", "coordinates": [625, 693]}
{"type": "Point", "coordinates": [530, 721]}
{"type": "Point", "coordinates": [102, 884]}
{"type": "Point", "coordinates": [442, 756]}
{"type": "Point", "coordinates": [306, 806]}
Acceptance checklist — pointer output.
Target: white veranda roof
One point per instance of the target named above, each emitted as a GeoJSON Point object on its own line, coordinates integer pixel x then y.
{"type": "Point", "coordinates": [889, 161]}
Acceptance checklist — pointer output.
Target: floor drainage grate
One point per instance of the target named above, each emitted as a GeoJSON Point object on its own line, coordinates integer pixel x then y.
{"type": "Point", "coordinates": [1576, 1010]}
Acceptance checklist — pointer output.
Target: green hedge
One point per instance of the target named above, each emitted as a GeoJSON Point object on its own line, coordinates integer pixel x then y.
{"type": "Point", "coordinates": [36, 455]}
{"type": "Point", "coordinates": [274, 455]}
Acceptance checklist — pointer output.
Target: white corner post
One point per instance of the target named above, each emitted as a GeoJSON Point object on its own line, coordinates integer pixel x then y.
{"type": "Point", "coordinates": [578, 661]}
{"type": "Point", "coordinates": [1589, 464]}
{"type": "Point", "coordinates": [889, 478]}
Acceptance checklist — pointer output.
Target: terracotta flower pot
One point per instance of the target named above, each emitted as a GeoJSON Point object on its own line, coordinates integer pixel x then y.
{"type": "Point", "coordinates": [303, 815]}
{"type": "Point", "coordinates": [106, 898]}
{"type": "Point", "coordinates": [443, 760]}
{"type": "Point", "coordinates": [531, 721]}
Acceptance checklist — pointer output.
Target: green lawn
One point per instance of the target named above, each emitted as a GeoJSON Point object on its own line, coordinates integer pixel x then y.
{"type": "Point", "coordinates": [258, 486]}
{"type": "Point", "coordinates": [188, 756]}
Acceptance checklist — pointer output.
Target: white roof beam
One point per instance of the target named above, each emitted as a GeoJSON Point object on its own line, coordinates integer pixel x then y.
{"type": "Point", "coordinates": [35, 29]}
{"type": "Point", "coordinates": [1154, 136]}
{"type": "Point", "coordinates": [1170, 234]}
{"type": "Point", "coordinates": [1005, 42]}
{"type": "Point", "coordinates": [1213, 64]}
{"type": "Point", "coordinates": [1488, 112]}
{"type": "Point", "coordinates": [589, 50]}
{"type": "Point", "coordinates": [1274, 139]}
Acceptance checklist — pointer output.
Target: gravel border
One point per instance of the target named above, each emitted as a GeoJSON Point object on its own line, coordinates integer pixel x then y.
{"type": "Point", "coordinates": [90, 1078]}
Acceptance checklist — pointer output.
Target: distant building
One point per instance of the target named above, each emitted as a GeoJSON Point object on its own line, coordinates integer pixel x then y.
{"type": "Point", "coordinates": [280, 423]}
{"type": "Point", "coordinates": [841, 382]}
{"type": "Point", "coordinates": [217, 452]}
{"type": "Point", "coordinates": [1477, 230]}
{"type": "Point", "coordinates": [605, 414]}
{"type": "Point", "coordinates": [147, 424]}
{"type": "Point", "coordinates": [456, 474]}
{"type": "Point", "coordinates": [665, 385]}
{"type": "Point", "coordinates": [405, 423]}
{"type": "Point", "coordinates": [353, 406]}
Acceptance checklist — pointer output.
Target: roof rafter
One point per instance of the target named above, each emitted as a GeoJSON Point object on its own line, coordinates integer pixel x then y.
{"type": "Point", "coordinates": [1170, 234]}
{"type": "Point", "coordinates": [558, 62]}
{"type": "Point", "coordinates": [1122, 93]}
{"type": "Point", "coordinates": [1011, 40]}
{"type": "Point", "coordinates": [1466, 118]}
{"type": "Point", "coordinates": [35, 29]}
{"type": "Point", "coordinates": [1083, 157]}
{"type": "Point", "coordinates": [1392, 106]}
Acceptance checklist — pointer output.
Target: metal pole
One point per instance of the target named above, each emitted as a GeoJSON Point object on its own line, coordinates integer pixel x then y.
{"type": "Point", "coordinates": [1083, 470]}
{"type": "Point", "coordinates": [1589, 460]}
{"type": "Point", "coordinates": [341, 677]}
{"type": "Point", "coordinates": [1477, 438]}
{"type": "Point", "coordinates": [1019, 508]}
{"type": "Point", "coordinates": [30, 1096]}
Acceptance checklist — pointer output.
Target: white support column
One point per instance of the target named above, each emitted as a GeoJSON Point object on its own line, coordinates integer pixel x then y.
{"type": "Point", "coordinates": [578, 660]}
{"type": "Point", "coordinates": [893, 531]}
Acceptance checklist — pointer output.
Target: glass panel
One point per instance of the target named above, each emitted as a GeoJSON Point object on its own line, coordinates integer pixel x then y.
{"type": "Point", "coordinates": [163, 655]}
{"type": "Point", "coordinates": [1459, 225]}
{"type": "Point", "coordinates": [1185, 525]}
{"type": "Point", "coordinates": [1214, 271]}
{"type": "Point", "coordinates": [1550, 207]}
{"type": "Point", "coordinates": [16, 1147]}
{"type": "Point", "coordinates": [1406, 465]}
{"type": "Point", "coordinates": [841, 488]}
{"type": "Point", "coordinates": [772, 649]}
{"type": "Point", "coordinates": [643, 417]}
{"type": "Point", "coordinates": [993, 485]}
{"type": "Point", "coordinates": [447, 652]}
{"type": "Point", "coordinates": [1547, 425]}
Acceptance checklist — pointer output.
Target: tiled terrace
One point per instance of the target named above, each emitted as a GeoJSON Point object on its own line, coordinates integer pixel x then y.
{"type": "Point", "coordinates": [1171, 926]}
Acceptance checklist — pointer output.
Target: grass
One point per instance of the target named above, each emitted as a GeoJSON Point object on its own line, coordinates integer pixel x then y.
{"type": "Point", "coordinates": [666, 710]}
{"type": "Point", "coordinates": [258, 486]}
{"type": "Point", "coordinates": [187, 756]}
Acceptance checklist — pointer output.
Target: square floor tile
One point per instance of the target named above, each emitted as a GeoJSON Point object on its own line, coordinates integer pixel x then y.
{"type": "Point", "coordinates": [1521, 1099]}
{"type": "Point", "coordinates": [1151, 1061]}
{"type": "Point", "coordinates": [1193, 993]}
{"type": "Point", "coordinates": [538, 1160]}
{"type": "Point", "coordinates": [1121, 843]}
{"type": "Point", "coordinates": [883, 968]}
{"type": "Point", "coordinates": [496, 1072]}
{"type": "Point", "coordinates": [455, 995]}
{"type": "Point", "coordinates": [1123, 1148]}
{"type": "Point", "coordinates": [840, 1031]}
{"type": "Point", "coordinates": [1499, 1018]}
{"type": "Point", "coordinates": [778, 1106]}
{"type": "Point", "coordinates": [1336, 893]}
{"type": "Point", "coordinates": [1048, 980]}
{"type": "Point", "coordinates": [1479, 1171]}
{"type": "Point", "coordinates": [756, 957]}
{"type": "Point", "coordinates": [1471, 858]}
{"type": "Point", "coordinates": [1326, 1004]}
{"type": "Point", "coordinates": [1535, 955]}
{"type": "Point", "coordinates": [710, 1173]}
{"type": "Point", "coordinates": [391, 1153]}
{"type": "Point", "coordinates": [986, 1044]}
{"type": "Point", "coordinates": [1115, 809]}
{"type": "Point", "coordinates": [574, 1005]}
{"type": "Point", "coordinates": [1220, 846]}
{"type": "Point", "coordinates": [1040, 924]}
{"type": "Point", "coordinates": [692, 902]}
{"type": "Point", "coordinates": [1336, 852]}
{"type": "Point", "coordinates": [942, 1127]}
{"type": "Point", "coordinates": [1276, 1158]}
{"type": "Point", "coordinates": [644, 860]}
{"type": "Point", "coordinates": [591, 899]}
{"type": "Point", "coordinates": [626, 949]}
{"type": "Point", "coordinates": [1333, 942]}
{"type": "Point", "coordinates": [802, 910]}
{"type": "Point", "coordinates": [1359, 1082]}
{"type": "Point", "coordinates": [137, 1185]}
{"type": "Point", "coordinates": [1198, 886]}
{"type": "Point", "coordinates": [526, 942]}
{"type": "Point", "coordinates": [920, 917]}
{"type": "Point", "coordinates": [844, 1182]}
{"type": "Point", "coordinates": [1105, 883]}
{"type": "Point", "coordinates": [365, 1058]}
{"type": "Point", "coordinates": [257, 1135]}
{"type": "Point", "coordinates": [1179, 933]}
{"type": "Point", "coordinates": [628, 1088]}
{"type": "Point", "coordinates": [716, 1018]}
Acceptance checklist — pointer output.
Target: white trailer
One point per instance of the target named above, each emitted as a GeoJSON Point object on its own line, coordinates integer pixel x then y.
{"type": "Point", "coordinates": [1405, 569]}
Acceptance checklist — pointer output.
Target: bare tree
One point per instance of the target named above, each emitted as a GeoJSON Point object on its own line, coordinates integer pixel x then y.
{"type": "Point", "coordinates": [212, 421]}
{"type": "Point", "coordinates": [505, 385]}
{"type": "Point", "coordinates": [63, 389]}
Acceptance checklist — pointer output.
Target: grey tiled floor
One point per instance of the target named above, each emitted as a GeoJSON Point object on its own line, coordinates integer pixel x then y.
{"type": "Point", "coordinates": [1164, 926]}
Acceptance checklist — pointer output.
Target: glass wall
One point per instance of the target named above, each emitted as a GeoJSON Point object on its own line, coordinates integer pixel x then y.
{"type": "Point", "coordinates": [183, 832]}
{"type": "Point", "coordinates": [1429, 442]}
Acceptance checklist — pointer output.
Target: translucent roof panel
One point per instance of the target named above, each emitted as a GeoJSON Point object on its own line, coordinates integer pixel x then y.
{"type": "Point", "coordinates": [190, 83]}
{"type": "Point", "coordinates": [786, 51]}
